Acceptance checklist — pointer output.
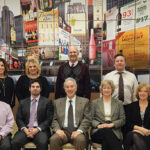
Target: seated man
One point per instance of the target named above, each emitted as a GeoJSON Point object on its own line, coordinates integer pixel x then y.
{"type": "Point", "coordinates": [33, 119]}
{"type": "Point", "coordinates": [72, 118]}
{"type": "Point", "coordinates": [6, 126]}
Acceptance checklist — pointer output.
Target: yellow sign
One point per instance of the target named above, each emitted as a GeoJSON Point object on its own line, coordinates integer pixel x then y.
{"type": "Point", "coordinates": [134, 45]}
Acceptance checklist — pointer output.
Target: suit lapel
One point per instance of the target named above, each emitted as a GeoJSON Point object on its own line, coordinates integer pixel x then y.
{"type": "Point", "coordinates": [62, 106]}
{"type": "Point", "coordinates": [101, 105]}
{"type": "Point", "coordinates": [78, 106]}
{"type": "Point", "coordinates": [28, 103]}
{"type": "Point", "coordinates": [113, 107]}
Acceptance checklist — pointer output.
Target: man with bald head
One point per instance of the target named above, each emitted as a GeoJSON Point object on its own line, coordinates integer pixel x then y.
{"type": "Point", "coordinates": [76, 70]}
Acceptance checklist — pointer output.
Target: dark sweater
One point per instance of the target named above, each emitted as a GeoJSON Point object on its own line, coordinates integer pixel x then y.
{"type": "Point", "coordinates": [22, 87]}
{"type": "Point", "coordinates": [80, 73]}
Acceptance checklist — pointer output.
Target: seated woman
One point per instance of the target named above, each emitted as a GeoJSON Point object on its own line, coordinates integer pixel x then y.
{"type": "Point", "coordinates": [33, 71]}
{"type": "Point", "coordinates": [107, 118]}
{"type": "Point", "coordinates": [138, 120]}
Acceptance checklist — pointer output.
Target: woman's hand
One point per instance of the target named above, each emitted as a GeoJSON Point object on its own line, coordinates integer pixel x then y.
{"type": "Point", "coordinates": [105, 125]}
{"type": "Point", "coordinates": [142, 130]}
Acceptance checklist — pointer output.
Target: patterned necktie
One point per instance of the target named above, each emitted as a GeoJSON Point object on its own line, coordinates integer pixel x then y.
{"type": "Point", "coordinates": [70, 118]}
{"type": "Point", "coordinates": [32, 113]}
{"type": "Point", "coordinates": [121, 87]}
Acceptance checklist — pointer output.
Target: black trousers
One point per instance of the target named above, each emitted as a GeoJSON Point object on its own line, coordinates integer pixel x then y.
{"type": "Point", "coordinates": [107, 138]}
{"type": "Point", "coordinates": [41, 140]}
{"type": "Point", "coordinates": [5, 143]}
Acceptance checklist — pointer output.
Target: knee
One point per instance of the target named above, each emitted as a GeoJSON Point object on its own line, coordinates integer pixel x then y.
{"type": "Point", "coordinates": [5, 147]}
{"type": "Point", "coordinates": [80, 139]}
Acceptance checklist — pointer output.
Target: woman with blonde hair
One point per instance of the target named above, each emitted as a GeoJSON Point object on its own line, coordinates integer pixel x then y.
{"type": "Point", "coordinates": [138, 120]}
{"type": "Point", "coordinates": [107, 118]}
{"type": "Point", "coordinates": [33, 71]}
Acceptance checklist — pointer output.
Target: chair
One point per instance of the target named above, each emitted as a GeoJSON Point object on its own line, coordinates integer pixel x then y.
{"type": "Point", "coordinates": [95, 146]}
{"type": "Point", "coordinates": [68, 146]}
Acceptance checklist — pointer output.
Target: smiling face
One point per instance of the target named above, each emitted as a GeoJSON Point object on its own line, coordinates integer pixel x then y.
{"type": "Point", "coordinates": [107, 90]}
{"type": "Point", "coordinates": [2, 68]}
{"type": "Point", "coordinates": [73, 54]}
{"type": "Point", "coordinates": [143, 93]}
{"type": "Point", "coordinates": [120, 63]}
{"type": "Point", "coordinates": [32, 69]}
{"type": "Point", "coordinates": [70, 89]}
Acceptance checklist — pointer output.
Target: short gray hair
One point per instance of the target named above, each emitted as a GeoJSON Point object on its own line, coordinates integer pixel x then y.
{"type": "Point", "coordinates": [70, 79]}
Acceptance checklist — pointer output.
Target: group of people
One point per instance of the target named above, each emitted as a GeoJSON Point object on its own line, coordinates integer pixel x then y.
{"type": "Point", "coordinates": [123, 107]}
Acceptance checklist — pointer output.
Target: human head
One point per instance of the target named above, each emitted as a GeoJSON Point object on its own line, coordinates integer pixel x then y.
{"type": "Point", "coordinates": [70, 87]}
{"type": "Point", "coordinates": [35, 87]}
{"type": "Point", "coordinates": [140, 86]}
{"type": "Point", "coordinates": [36, 63]}
{"type": "Point", "coordinates": [119, 62]}
{"type": "Point", "coordinates": [5, 66]}
{"type": "Point", "coordinates": [73, 54]}
{"type": "Point", "coordinates": [107, 82]}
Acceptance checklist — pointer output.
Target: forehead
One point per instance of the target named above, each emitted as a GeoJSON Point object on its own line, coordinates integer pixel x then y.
{"type": "Point", "coordinates": [73, 49]}
{"type": "Point", "coordinates": [119, 58]}
{"type": "Point", "coordinates": [1, 63]}
{"type": "Point", "coordinates": [106, 85]}
{"type": "Point", "coordinates": [69, 82]}
{"type": "Point", "coordinates": [35, 84]}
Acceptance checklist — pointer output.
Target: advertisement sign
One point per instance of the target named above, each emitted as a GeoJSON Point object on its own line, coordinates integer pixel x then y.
{"type": "Point", "coordinates": [134, 45]}
{"type": "Point", "coordinates": [108, 53]}
{"type": "Point", "coordinates": [48, 27]}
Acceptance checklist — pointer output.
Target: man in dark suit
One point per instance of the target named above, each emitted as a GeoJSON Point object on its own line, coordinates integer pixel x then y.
{"type": "Point", "coordinates": [67, 125]}
{"type": "Point", "coordinates": [33, 119]}
{"type": "Point", "coordinates": [74, 69]}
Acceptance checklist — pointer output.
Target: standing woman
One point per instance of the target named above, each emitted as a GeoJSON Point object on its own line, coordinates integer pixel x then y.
{"type": "Point", "coordinates": [33, 71]}
{"type": "Point", "coordinates": [107, 118]}
{"type": "Point", "coordinates": [138, 120]}
{"type": "Point", "coordinates": [6, 85]}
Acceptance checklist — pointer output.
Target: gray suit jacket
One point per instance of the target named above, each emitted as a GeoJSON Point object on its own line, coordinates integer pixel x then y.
{"type": "Point", "coordinates": [117, 115]}
{"type": "Point", "coordinates": [82, 114]}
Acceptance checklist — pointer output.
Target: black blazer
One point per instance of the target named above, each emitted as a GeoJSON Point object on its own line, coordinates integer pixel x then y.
{"type": "Point", "coordinates": [44, 113]}
{"type": "Point", "coordinates": [133, 116]}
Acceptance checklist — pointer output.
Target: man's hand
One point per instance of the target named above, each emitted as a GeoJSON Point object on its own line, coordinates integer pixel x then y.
{"type": "Point", "coordinates": [61, 133]}
{"type": "Point", "coordinates": [75, 134]}
{"type": "Point", "coordinates": [28, 133]}
{"type": "Point", "coordinates": [0, 138]}
{"type": "Point", "coordinates": [34, 131]}
{"type": "Point", "coordinates": [105, 125]}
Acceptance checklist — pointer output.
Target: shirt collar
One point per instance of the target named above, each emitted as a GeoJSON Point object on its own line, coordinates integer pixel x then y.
{"type": "Point", "coordinates": [116, 72]}
{"type": "Point", "coordinates": [75, 63]}
{"type": "Point", "coordinates": [73, 99]}
{"type": "Point", "coordinates": [37, 98]}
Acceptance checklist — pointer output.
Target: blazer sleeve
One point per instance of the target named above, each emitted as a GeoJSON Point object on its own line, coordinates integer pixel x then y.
{"type": "Point", "coordinates": [86, 121]}
{"type": "Point", "coordinates": [55, 125]}
{"type": "Point", "coordinates": [95, 122]}
{"type": "Point", "coordinates": [49, 116]}
{"type": "Point", "coordinates": [121, 120]}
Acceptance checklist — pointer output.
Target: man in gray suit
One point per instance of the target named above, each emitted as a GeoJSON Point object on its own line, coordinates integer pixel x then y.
{"type": "Point", "coordinates": [80, 120]}
{"type": "Point", "coordinates": [34, 117]}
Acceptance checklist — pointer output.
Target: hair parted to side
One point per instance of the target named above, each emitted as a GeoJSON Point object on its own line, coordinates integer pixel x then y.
{"type": "Point", "coordinates": [33, 81]}
{"type": "Point", "coordinates": [34, 61]}
{"type": "Point", "coordinates": [140, 86]}
{"type": "Point", "coordinates": [109, 82]}
{"type": "Point", "coordinates": [119, 54]}
{"type": "Point", "coordinates": [70, 79]}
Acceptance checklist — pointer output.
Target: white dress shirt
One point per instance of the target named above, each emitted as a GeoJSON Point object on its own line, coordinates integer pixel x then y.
{"type": "Point", "coordinates": [130, 84]}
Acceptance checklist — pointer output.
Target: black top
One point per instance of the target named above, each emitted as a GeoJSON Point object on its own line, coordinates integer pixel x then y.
{"type": "Point", "coordinates": [133, 116]}
{"type": "Point", "coordinates": [80, 73]}
{"type": "Point", "coordinates": [7, 91]}
{"type": "Point", "coordinates": [22, 87]}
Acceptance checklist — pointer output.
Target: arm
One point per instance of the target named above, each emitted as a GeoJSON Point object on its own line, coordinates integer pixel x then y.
{"type": "Point", "coordinates": [87, 86]}
{"type": "Point", "coordinates": [135, 84]}
{"type": "Point", "coordinates": [121, 120]}
{"type": "Point", "coordinates": [8, 127]}
{"type": "Point", "coordinates": [86, 120]}
{"type": "Point", "coordinates": [45, 87]}
{"type": "Point", "coordinates": [49, 116]}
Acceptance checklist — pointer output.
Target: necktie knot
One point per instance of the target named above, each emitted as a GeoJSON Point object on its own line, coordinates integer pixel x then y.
{"type": "Point", "coordinates": [72, 65]}
{"type": "Point", "coordinates": [34, 100]}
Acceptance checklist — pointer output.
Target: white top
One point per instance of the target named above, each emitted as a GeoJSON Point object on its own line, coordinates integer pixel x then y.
{"type": "Point", "coordinates": [66, 111]}
{"type": "Point", "coordinates": [130, 84]}
{"type": "Point", "coordinates": [107, 110]}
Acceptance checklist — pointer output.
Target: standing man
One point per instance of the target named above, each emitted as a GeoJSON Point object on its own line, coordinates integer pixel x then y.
{"type": "Point", "coordinates": [34, 118]}
{"type": "Point", "coordinates": [72, 118]}
{"type": "Point", "coordinates": [76, 70]}
{"type": "Point", "coordinates": [125, 81]}
{"type": "Point", "coordinates": [6, 126]}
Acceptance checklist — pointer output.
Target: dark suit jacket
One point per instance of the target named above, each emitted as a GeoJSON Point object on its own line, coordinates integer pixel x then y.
{"type": "Point", "coordinates": [82, 79]}
{"type": "Point", "coordinates": [117, 115]}
{"type": "Point", "coordinates": [133, 116]}
{"type": "Point", "coordinates": [44, 113]}
{"type": "Point", "coordinates": [82, 114]}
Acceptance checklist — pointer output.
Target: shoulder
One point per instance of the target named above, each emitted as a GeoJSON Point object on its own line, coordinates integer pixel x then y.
{"type": "Point", "coordinates": [130, 74]}
{"type": "Point", "coordinates": [4, 105]}
{"type": "Point", "coordinates": [95, 101]}
{"type": "Point", "coordinates": [59, 100]}
{"type": "Point", "coordinates": [110, 74]}
{"type": "Point", "coordinates": [44, 99]}
{"type": "Point", "coordinates": [82, 99]}
{"type": "Point", "coordinates": [23, 77]}
{"type": "Point", "coordinates": [24, 101]}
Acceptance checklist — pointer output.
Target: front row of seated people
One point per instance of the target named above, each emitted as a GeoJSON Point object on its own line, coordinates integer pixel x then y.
{"type": "Point", "coordinates": [72, 116]}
